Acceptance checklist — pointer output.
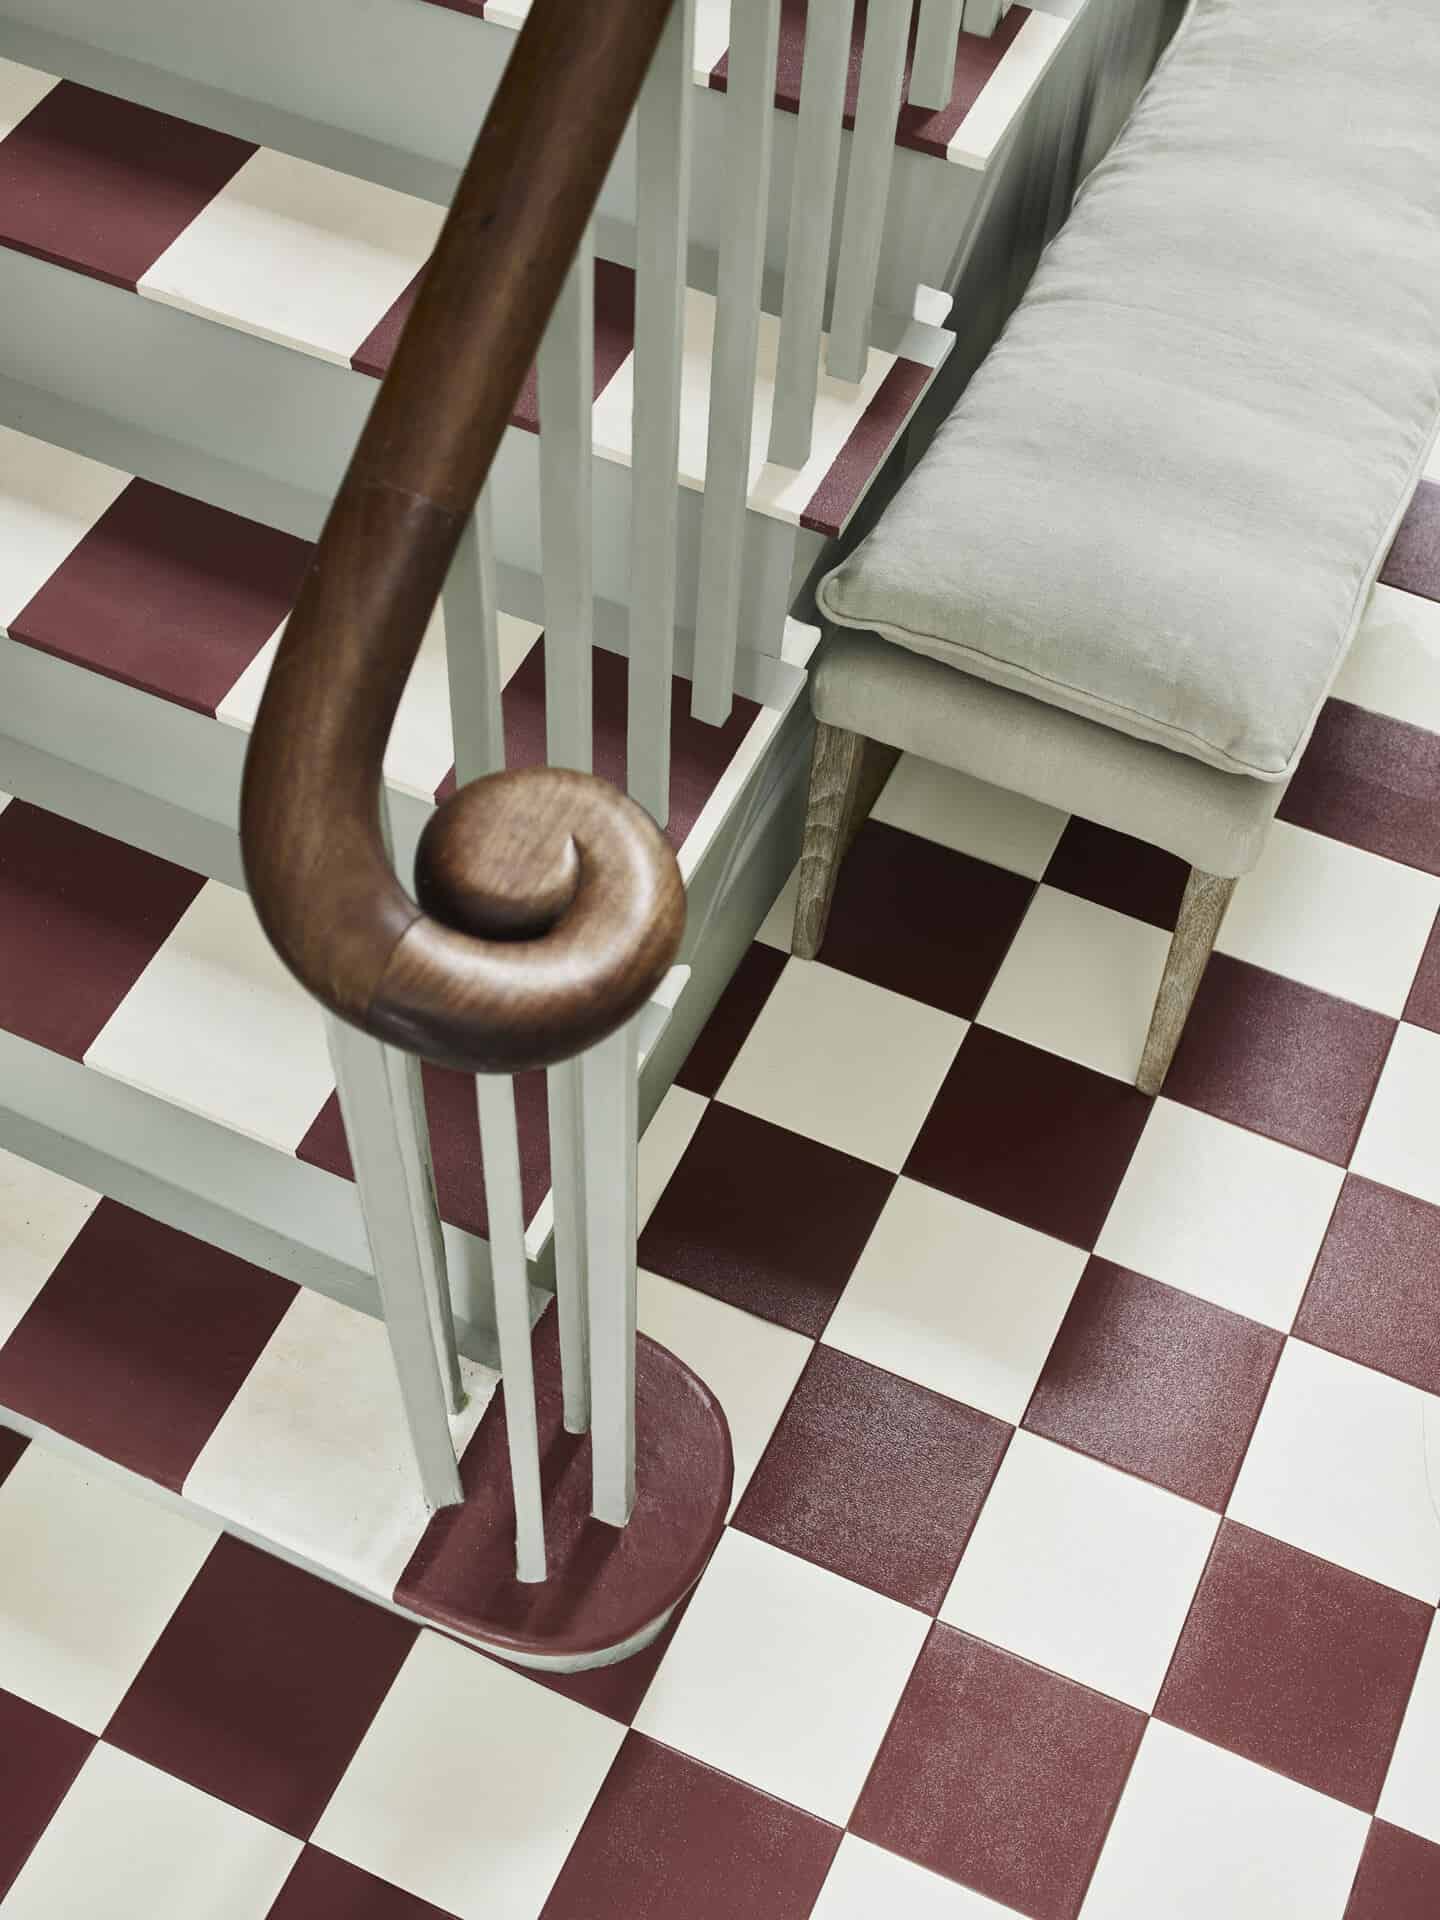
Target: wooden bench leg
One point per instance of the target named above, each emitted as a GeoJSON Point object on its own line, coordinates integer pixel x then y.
{"type": "Point", "coordinates": [1207, 896]}
{"type": "Point", "coordinates": [847, 772]}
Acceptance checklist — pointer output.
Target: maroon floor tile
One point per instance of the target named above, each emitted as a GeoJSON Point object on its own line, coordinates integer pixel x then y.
{"type": "Point", "coordinates": [454, 1144]}
{"type": "Point", "coordinates": [875, 1478]}
{"type": "Point", "coordinates": [1115, 871]}
{"type": "Point", "coordinates": [1155, 1381]}
{"type": "Point", "coordinates": [1280, 1058]}
{"type": "Point", "coordinates": [1376, 1286]}
{"type": "Point", "coordinates": [736, 1011]}
{"type": "Point", "coordinates": [39, 1757]}
{"type": "Point", "coordinates": [1297, 1664]}
{"type": "Point", "coordinates": [81, 917]}
{"type": "Point", "coordinates": [169, 595]}
{"type": "Point", "coordinates": [667, 1836]}
{"type": "Point", "coordinates": [1000, 1774]}
{"type": "Point", "coordinates": [321, 1887]}
{"type": "Point", "coordinates": [921, 920]}
{"type": "Point", "coordinates": [12, 1445]}
{"type": "Point", "coordinates": [262, 1685]}
{"type": "Point", "coordinates": [1399, 1877]}
{"type": "Point", "coordinates": [139, 1341]}
{"type": "Point", "coordinates": [1024, 1133]}
{"type": "Point", "coordinates": [103, 185]}
{"type": "Point", "coordinates": [869, 440]}
{"type": "Point", "coordinates": [1371, 781]}
{"type": "Point", "coordinates": [1422, 1009]}
{"type": "Point", "coordinates": [765, 1219]}
{"type": "Point", "coordinates": [1413, 562]}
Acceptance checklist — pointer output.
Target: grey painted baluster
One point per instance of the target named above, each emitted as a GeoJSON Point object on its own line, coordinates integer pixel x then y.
{"type": "Point", "coordinates": [567, 1189]}
{"type": "Point", "coordinates": [872, 155]}
{"type": "Point", "coordinates": [812, 214]}
{"type": "Point", "coordinates": [932, 71]}
{"type": "Point", "coordinates": [983, 16]}
{"type": "Point", "coordinates": [378, 1096]}
{"type": "Point", "coordinates": [500, 1149]}
{"type": "Point", "coordinates": [755, 29]}
{"type": "Point", "coordinates": [472, 651]}
{"type": "Point", "coordinates": [609, 1080]}
{"type": "Point", "coordinates": [662, 162]}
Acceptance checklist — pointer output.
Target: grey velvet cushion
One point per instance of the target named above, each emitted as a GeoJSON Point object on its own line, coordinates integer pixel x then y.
{"type": "Point", "coordinates": [1165, 496]}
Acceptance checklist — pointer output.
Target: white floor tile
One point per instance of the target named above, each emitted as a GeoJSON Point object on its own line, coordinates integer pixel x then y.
{"type": "Point", "coordinates": [1082, 1569]}
{"type": "Point", "coordinates": [1399, 1144]}
{"type": "Point", "coordinates": [1200, 1834]}
{"type": "Point", "coordinates": [778, 927]}
{"type": "Point", "coordinates": [1393, 665]}
{"type": "Point", "coordinates": [89, 1575]}
{"type": "Point", "coordinates": [313, 1451]}
{"type": "Point", "coordinates": [1079, 980]}
{"type": "Point", "coordinates": [40, 1214]}
{"type": "Point", "coordinates": [49, 500]}
{"type": "Point", "coordinates": [957, 1298]}
{"type": "Point", "coordinates": [663, 1144]}
{"type": "Point", "coordinates": [1334, 917]}
{"type": "Point", "coordinates": [297, 254]}
{"type": "Point", "coordinates": [865, 1882]}
{"type": "Point", "coordinates": [844, 1062]}
{"type": "Point", "coordinates": [470, 1785]}
{"type": "Point", "coordinates": [1411, 1794]}
{"type": "Point", "coordinates": [1338, 1467]}
{"type": "Point", "coordinates": [970, 816]}
{"type": "Point", "coordinates": [1222, 1213]}
{"type": "Point", "coordinates": [217, 1025]}
{"type": "Point", "coordinates": [132, 1843]}
{"type": "Point", "coordinates": [21, 91]}
{"type": "Point", "coordinates": [784, 1675]}
{"type": "Point", "coordinates": [749, 1365]}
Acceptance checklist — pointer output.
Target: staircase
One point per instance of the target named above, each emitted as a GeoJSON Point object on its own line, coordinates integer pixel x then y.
{"type": "Point", "coordinates": [213, 228]}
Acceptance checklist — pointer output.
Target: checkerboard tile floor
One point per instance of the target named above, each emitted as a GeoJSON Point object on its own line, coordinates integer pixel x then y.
{"type": "Point", "coordinates": [1085, 1555]}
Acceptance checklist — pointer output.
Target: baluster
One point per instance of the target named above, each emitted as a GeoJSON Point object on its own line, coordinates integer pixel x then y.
{"type": "Point", "coordinates": [472, 651]}
{"type": "Point", "coordinates": [812, 214]}
{"type": "Point", "coordinates": [872, 155]}
{"type": "Point", "coordinates": [749, 125]}
{"type": "Point", "coordinates": [662, 210]}
{"type": "Point", "coordinates": [932, 71]}
{"type": "Point", "coordinates": [500, 1149]}
{"type": "Point", "coordinates": [983, 16]}
{"type": "Point", "coordinates": [611, 1126]}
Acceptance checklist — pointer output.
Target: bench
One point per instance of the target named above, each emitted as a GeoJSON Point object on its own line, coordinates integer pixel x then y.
{"type": "Point", "coordinates": [1126, 572]}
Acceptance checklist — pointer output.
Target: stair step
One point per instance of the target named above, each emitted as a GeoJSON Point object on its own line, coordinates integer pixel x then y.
{"type": "Point", "coordinates": [327, 265]}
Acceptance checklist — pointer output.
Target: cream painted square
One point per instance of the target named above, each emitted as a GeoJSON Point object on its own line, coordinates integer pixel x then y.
{"type": "Point", "coordinates": [1411, 1794]}
{"type": "Point", "coordinates": [1337, 1466]}
{"type": "Point", "coordinates": [1399, 1143]}
{"type": "Point", "coordinates": [777, 929]}
{"type": "Point", "coordinates": [132, 1843]}
{"type": "Point", "coordinates": [297, 254]}
{"type": "Point", "coordinates": [957, 1298]}
{"type": "Point", "coordinates": [470, 1784]}
{"type": "Point", "coordinates": [1082, 1569]}
{"type": "Point", "coordinates": [313, 1451]}
{"type": "Point", "coordinates": [866, 1882]}
{"type": "Point", "coordinates": [21, 91]}
{"type": "Point", "coordinates": [1222, 1213]}
{"type": "Point", "coordinates": [784, 1675]}
{"type": "Point", "coordinates": [49, 501]}
{"type": "Point", "coordinates": [215, 1024]}
{"type": "Point", "coordinates": [40, 1214]}
{"type": "Point", "coordinates": [970, 816]}
{"type": "Point", "coordinates": [89, 1575]}
{"type": "Point", "coordinates": [663, 1143]}
{"type": "Point", "coordinates": [1201, 1834]}
{"type": "Point", "coordinates": [1393, 665]}
{"type": "Point", "coordinates": [844, 1062]}
{"type": "Point", "coordinates": [1079, 980]}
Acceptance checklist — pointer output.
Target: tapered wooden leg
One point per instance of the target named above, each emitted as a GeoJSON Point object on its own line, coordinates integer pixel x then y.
{"type": "Point", "coordinates": [1207, 895]}
{"type": "Point", "coordinates": [846, 775]}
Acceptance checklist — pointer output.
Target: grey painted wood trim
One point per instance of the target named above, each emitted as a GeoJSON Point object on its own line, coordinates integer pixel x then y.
{"type": "Point", "coordinates": [610, 1111]}
{"type": "Point", "coordinates": [471, 609]}
{"type": "Point", "coordinates": [567, 1189]}
{"type": "Point", "coordinates": [1202, 909]}
{"type": "Point", "coordinates": [867, 192]}
{"type": "Point", "coordinates": [566, 390]}
{"type": "Point", "coordinates": [932, 71]}
{"type": "Point", "coordinates": [983, 16]}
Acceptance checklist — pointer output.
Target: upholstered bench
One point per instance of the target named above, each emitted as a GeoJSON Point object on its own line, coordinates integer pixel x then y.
{"type": "Point", "coordinates": [1126, 572]}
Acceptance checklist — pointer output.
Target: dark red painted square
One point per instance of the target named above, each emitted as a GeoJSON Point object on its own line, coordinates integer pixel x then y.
{"type": "Point", "coordinates": [12, 1445]}
{"type": "Point", "coordinates": [869, 441]}
{"type": "Point", "coordinates": [169, 595]}
{"type": "Point", "coordinates": [922, 920]}
{"type": "Point", "coordinates": [1371, 781]}
{"type": "Point", "coordinates": [1155, 1381]}
{"type": "Point", "coordinates": [321, 1887]}
{"type": "Point", "coordinates": [616, 1690]}
{"type": "Point", "coordinates": [81, 917]}
{"type": "Point", "coordinates": [1375, 1293]}
{"type": "Point", "coordinates": [104, 186]}
{"type": "Point", "coordinates": [39, 1757]}
{"type": "Point", "coordinates": [1000, 1774]}
{"type": "Point", "coordinates": [1297, 1664]}
{"type": "Point", "coordinates": [262, 1686]}
{"type": "Point", "coordinates": [875, 1478]}
{"type": "Point", "coordinates": [667, 1836]}
{"type": "Point", "coordinates": [1117, 872]}
{"type": "Point", "coordinates": [765, 1219]}
{"type": "Point", "coordinates": [454, 1144]}
{"type": "Point", "coordinates": [1413, 562]}
{"type": "Point", "coordinates": [1422, 1009]}
{"type": "Point", "coordinates": [1399, 1877]}
{"type": "Point", "coordinates": [1024, 1133]}
{"type": "Point", "coordinates": [139, 1341]}
{"type": "Point", "coordinates": [736, 1011]}
{"type": "Point", "coordinates": [1280, 1058]}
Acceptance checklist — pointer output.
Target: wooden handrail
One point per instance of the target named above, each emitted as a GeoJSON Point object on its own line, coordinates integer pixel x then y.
{"type": "Point", "coordinates": [549, 903]}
